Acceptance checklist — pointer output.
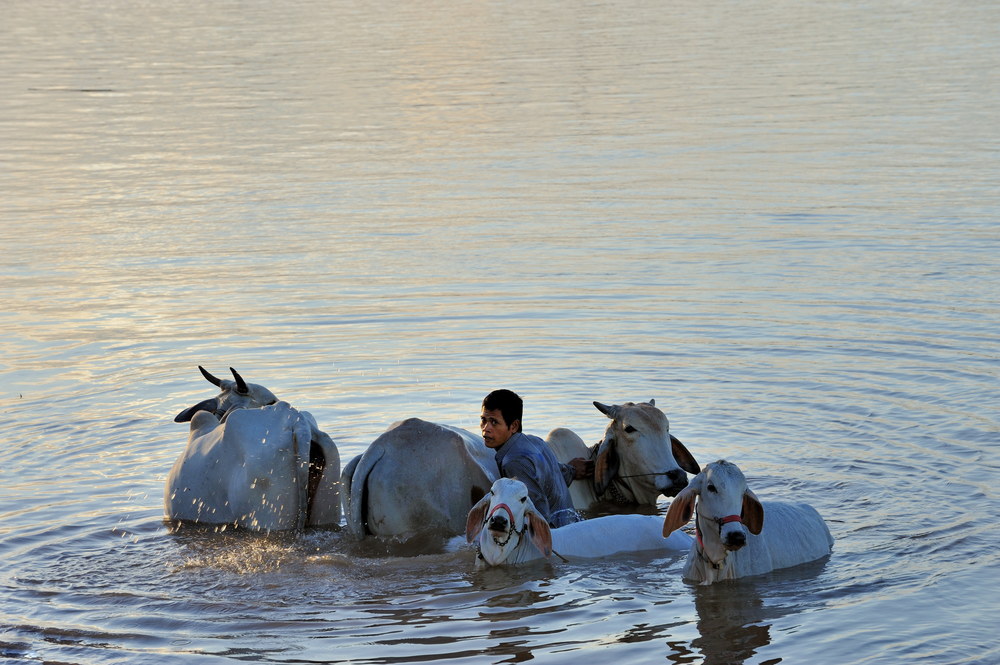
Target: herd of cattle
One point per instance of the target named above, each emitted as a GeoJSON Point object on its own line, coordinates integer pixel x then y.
{"type": "Point", "coordinates": [258, 463]}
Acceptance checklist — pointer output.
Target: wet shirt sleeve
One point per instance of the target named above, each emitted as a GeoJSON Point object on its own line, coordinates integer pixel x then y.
{"type": "Point", "coordinates": [567, 472]}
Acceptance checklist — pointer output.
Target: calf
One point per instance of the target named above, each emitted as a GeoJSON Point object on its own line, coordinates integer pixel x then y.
{"type": "Point", "coordinates": [732, 538]}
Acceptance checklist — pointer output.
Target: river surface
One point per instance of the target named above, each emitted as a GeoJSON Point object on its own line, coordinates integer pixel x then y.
{"type": "Point", "coordinates": [779, 220]}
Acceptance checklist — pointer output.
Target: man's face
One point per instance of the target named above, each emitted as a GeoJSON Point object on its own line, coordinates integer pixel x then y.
{"type": "Point", "coordinates": [495, 430]}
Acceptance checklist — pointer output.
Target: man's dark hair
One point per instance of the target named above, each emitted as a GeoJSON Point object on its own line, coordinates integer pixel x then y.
{"type": "Point", "coordinates": [507, 403]}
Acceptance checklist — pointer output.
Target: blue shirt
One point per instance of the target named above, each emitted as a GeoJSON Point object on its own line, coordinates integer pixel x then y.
{"type": "Point", "coordinates": [530, 460]}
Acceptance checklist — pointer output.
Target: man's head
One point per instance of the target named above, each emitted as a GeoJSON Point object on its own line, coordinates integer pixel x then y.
{"type": "Point", "coordinates": [501, 417]}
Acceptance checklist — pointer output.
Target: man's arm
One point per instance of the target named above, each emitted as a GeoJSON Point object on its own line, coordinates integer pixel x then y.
{"type": "Point", "coordinates": [578, 468]}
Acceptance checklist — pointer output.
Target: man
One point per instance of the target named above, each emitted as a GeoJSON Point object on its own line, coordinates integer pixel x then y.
{"type": "Point", "coordinates": [529, 459]}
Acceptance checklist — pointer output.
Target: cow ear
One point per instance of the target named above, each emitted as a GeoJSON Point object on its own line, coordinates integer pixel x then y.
{"type": "Point", "coordinates": [541, 534]}
{"type": "Point", "coordinates": [681, 508]}
{"type": "Point", "coordinates": [753, 513]}
{"type": "Point", "coordinates": [605, 466]}
{"type": "Point", "coordinates": [476, 519]}
{"type": "Point", "coordinates": [187, 414]}
{"type": "Point", "coordinates": [684, 458]}
{"type": "Point", "coordinates": [476, 493]}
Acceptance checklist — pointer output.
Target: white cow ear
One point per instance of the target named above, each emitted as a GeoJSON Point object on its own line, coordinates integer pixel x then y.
{"type": "Point", "coordinates": [753, 513]}
{"type": "Point", "coordinates": [682, 507]}
{"type": "Point", "coordinates": [476, 519]}
{"type": "Point", "coordinates": [541, 534]}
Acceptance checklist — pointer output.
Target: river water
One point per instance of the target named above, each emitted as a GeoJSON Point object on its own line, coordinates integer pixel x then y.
{"type": "Point", "coordinates": [779, 220]}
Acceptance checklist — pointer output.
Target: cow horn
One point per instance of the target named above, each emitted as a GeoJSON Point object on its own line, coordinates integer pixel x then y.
{"type": "Point", "coordinates": [609, 411]}
{"type": "Point", "coordinates": [211, 379]}
{"type": "Point", "coordinates": [241, 385]}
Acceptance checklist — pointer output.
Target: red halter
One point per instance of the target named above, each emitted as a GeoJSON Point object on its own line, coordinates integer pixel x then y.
{"type": "Point", "coordinates": [718, 520]}
{"type": "Point", "coordinates": [503, 506]}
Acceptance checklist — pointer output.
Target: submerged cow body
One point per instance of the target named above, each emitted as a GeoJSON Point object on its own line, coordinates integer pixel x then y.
{"type": "Point", "coordinates": [418, 478]}
{"type": "Point", "coordinates": [637, 460]}
{"type": "Point", "coordinates": [507, 530]}
{"type": "Point", "coordinates": [253, 462]}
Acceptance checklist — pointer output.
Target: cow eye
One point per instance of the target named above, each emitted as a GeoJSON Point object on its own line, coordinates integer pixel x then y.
{"type": "Point", "coordinates": [630, 429]}
{"type": "Point", "coordinates": [523, 499]}
{"type": "Point", "coordinates": [711, 488]}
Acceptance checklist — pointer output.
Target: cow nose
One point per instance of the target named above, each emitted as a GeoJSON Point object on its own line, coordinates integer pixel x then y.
{"type": "Point", "coordinates": [676, 481]}
{"type": "Point", "coordinates": [498, 523]}
{"type": "Point", "coordinates": [735, 540]}
{"type": "Point", "coordinates": [678, 478]}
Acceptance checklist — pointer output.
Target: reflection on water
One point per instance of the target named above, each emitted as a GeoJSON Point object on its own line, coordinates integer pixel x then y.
{"type": "Point", "coordinates": [735, 619]}
{"type": "Point", "coordinates": [777, 220]}
{"type": "Point", "coordinates": [733, 623]}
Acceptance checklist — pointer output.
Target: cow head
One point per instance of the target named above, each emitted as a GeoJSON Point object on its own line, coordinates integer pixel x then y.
{"type": "Point", "coordinates": [236, 394]}
{"type": "Point", "coordinates": [504, 520]}
{"type": "Point", "coordinates": [639, 451]}
{"type": "Point", "coordinates": [726, 509]}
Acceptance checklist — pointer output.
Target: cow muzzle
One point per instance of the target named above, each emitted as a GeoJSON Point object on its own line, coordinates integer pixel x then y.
{"type": "Point", "coordinates": [735, 537]}
{"type": "Point", "coordinates": [675, 481]}
{"type": "Point", "coordinates": [734, 540]}
{"type": "Point", "coordinates": [501, 518]}
{"type": "Point", "coordinates": [498, 524]}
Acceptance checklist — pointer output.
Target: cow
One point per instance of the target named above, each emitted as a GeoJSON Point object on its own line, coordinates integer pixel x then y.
{"type": "Point", "coordinates": [416, 479]}
{"type": "Point", "coordinates": [733, 537]}
{"type": "Point", "coordinates": [253, 462]}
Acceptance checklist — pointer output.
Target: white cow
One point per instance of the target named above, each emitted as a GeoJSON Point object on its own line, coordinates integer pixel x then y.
{"type": "Point", "coordinates": [726, 511]}
{"type": "Point", "coordinates": [637, 460]}
{"type": "Point", "coordinates": [263, 468]}
{"type": "Point", "coordinates": [507, 529]}
{"type": "Point", "coordinates": [417, 479]}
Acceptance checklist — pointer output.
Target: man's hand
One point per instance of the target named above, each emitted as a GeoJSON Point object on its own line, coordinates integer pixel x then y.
{"type": "Point", "coordinates": [582, 468]}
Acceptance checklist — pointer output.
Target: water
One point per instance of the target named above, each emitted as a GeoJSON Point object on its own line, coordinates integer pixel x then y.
{"type": "Point", "coordinates": [778, 220]}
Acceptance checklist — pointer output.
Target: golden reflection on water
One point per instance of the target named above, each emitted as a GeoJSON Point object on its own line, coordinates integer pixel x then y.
{"type": "Point", "coordinates": [777, 220]}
